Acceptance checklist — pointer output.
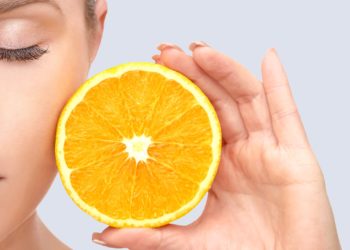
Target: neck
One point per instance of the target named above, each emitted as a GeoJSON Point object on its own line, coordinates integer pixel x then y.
{"type": "Point", "coordinates": [32, 234]}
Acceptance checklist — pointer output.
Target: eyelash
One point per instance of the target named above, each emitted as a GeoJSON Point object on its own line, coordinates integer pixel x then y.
{"type": "Point", "coordinates": [23, 54]}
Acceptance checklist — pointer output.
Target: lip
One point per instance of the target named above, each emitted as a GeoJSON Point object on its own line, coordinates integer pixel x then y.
{"type": "Point", "coordinates": [2, 178]}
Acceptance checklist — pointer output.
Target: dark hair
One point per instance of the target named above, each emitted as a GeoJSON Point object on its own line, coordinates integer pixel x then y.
{"type": "Point", "coordinates": [90, 13]}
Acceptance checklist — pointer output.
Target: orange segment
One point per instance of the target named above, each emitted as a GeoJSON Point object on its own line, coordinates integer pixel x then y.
{"type": "Point", "coordinates": [188, 160]}
{"type": "Point", "coordinates": [158, 191]}
{"type": "Point", "coordinates": [106, 180]}
{"type": "Point", "coordinates": [138, 145]}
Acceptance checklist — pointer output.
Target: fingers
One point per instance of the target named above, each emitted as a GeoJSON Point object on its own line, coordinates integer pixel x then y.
{"type": "Point", "coordinates": [140, 238]}
{"type": "Point", "coordinates": [243, 87]}
{"type": "Point", "coordinates": [285, 118]}
{"type": "Point", "coordinates": [230, 119]}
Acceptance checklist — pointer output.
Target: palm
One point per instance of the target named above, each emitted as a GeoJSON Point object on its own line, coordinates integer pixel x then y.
{"type": "Point", "coordinates": [269, 191]}
{"type": "Point", "coordinates": [249, 189]}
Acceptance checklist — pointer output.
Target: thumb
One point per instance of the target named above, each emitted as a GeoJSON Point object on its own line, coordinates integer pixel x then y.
{"type": "Point", "coordinates": [166, 237]}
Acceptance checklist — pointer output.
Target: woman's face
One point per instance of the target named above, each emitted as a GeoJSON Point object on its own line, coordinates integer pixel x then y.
{"type": "Point", "coordinates": [33, 93]}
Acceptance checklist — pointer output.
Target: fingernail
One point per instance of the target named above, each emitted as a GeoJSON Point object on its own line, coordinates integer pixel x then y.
{"type": "Point", "coordinates": [156, 58]}
{"type": "Point", "coordinates": [197, 44]}
{"type": "Point", "coordinates": [163, 46]}
{"type": "Point", "coordinates": [273, 50]}
{"type": "Point", "coordinates": [98, 241]}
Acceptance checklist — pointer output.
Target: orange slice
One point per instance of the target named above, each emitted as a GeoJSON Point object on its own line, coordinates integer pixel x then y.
{"type": "Point", "coordinates": [138, 145]}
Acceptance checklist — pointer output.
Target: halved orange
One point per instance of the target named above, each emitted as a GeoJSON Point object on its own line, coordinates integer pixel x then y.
{"type": "Point", "coordinates": [138, 145]}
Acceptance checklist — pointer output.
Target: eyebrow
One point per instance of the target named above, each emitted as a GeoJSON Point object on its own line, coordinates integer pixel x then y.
{"type": "Point", "coordinates": [8, 5]}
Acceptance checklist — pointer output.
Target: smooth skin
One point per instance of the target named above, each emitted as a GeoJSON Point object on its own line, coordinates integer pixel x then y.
{"type": "Point", "coordinates": [269, 192]}
{"type": "Point", "coordinates": [32, 95]}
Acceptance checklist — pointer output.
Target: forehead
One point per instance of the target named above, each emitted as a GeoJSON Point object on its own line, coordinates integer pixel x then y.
{"type": "Point", "coordinates": [7, 5]}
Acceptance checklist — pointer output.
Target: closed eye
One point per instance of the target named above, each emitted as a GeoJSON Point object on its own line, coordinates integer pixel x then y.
{"type": "Point", "coordinates": [23, 54]}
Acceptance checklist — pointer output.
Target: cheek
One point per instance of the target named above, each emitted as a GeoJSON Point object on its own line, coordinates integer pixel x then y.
{"type": "Point", "coordinates": [31, 98]}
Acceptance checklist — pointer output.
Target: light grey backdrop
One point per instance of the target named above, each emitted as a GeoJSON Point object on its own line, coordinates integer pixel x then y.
{"type": "Point", "coordinates": [312, 38]}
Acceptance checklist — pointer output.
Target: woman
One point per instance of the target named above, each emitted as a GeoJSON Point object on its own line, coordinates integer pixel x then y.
{"type": "Point", "coordinates": [269, 192]}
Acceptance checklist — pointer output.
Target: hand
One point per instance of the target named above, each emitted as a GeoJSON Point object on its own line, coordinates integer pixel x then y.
{"type": "Point", "coordinates": [269, 192]}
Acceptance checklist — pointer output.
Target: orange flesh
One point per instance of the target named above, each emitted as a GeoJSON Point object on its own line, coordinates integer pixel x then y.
{"type": "Point", "coordinates": [148, 104]}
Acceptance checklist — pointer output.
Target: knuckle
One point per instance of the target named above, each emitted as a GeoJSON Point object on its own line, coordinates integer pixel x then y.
{"type": "Point", "coordinates": [276, 87]}
{"type": "Point", "coordinates": [284, 113]}
{"type": "Point", "coordinates": [248, 98]}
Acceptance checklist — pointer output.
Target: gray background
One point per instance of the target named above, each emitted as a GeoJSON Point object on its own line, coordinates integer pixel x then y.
{"type": "Point", "coordinates": [312, 39]}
